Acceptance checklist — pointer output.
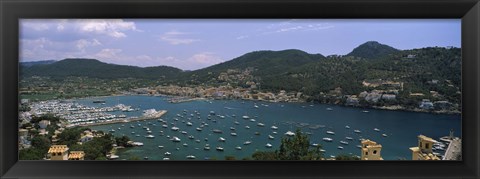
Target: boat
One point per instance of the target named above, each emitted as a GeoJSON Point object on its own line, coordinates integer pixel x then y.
{"type": "Point", "coordinates": [340, 147]}
{"type": "Point", "coordinates": [167, 153]}
{"type": "Point", "coordinates": [166, 158]}
{"type": "Point", "coordinates": [146, 158]}
{"type": "Point", "coordinates": [358, 146]}
{"type": "Point", "coordinates": [257, 133]}
{"type": "Point", "coordinates": [131, 126]}
{"type": "Point", "coordinates": [331, 132]}
{"type": "Point", "coordinates": [191, 137]}
{"type": "Point", "coordinates": [160, 146]}
{"type": "Point", "coordinates": [191, 157]}
{"type": "Point", "coordinates": [255, 106]}
{"type": "Point", "coordinates": [207, 147]}
{"type": "Point", "coordinates": [185, 144]}
{"type": "Point", "coordinates": [329, 109]}
{"type": "Point", "coordinates": [247, 142]}
{"type": "Point", "coordinates": [197, 141]}
{"type": "Point", "coordinates": [245, 117]}
{"type": "Point", "coordinates": [252, 120]}
{"type": "Point", "coordinates": [218, 131]}
{"type": "Point", "coordinates": [184, 132]}
{"type": "Point", "coordinates": [384, 135]}
{"type": "Point", "coordinates": [268, 145]}
{"type": "Point", "coordinates": [247, 127]}
{"type": "Point", "coordinates": [236, 123]}
{"type": "Point", "coordinates": [274, 127]}
{"type": "Point", "coordinates": [314, 145]}
{"type": "Point", "coordinates": [271, 137]}
{"type": "Point", "coordinates": [260, 124]}
{"type": "Point", "coordinates": [365, 111]}
{"type": "Point", "coordinates": [232, 128]}
{"type": "Point", "coordinates": [344, 142]}
{"type": "Point", "coordinates": [328, 139]}
{"type": "Point", "coordinates": [221, 139]}
{"type": "Point", "coordinates": [347, 127]}
{"type": "Point", "coordinates": [289, 133]}
{"type": "Point", "coordinates": [357, 131]}
{"type": "Point", "coordinates": [133, 132]}
{"type": "Point", "coordinates": [212, 112]}
{"type": "Point", "coordinates": [176, 139]}
{"type": "Point", "coordinates": [164, 126]}
{"type": "Point", "coordinates": [189, 124]}
{"type": "Point", "coordinates": [376, 129]}
{"type": "Point", "coordinates": [150, 136]}
{"type": "Point", "coordinates": [238, 148]}
{"type": "Point", "coordinates": [199, 129]}
{"type": "Point", "coordinates": [175, 128]}
{"type": "Point", "coordinates": [348, 138]}
{"type": "Point", "coordinates": [219, 148]}
{"type": "Point", "coordinates": [112, 131]}
{"type": "Point", "coordinates": [233, 134]}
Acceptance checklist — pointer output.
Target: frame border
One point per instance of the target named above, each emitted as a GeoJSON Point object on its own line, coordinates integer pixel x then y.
{"type": "Point", "coordinates": [12, 10]}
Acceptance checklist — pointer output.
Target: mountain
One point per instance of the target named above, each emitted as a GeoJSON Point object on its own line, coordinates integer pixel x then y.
{"type": "Point", "coordinates": [97, 69]}
{"type": "Point", "coordinates": [29, 64]}
{"type": "Point", "coordinates": [372, 49]}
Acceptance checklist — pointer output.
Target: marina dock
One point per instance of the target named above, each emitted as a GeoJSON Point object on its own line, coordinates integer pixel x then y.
{"type": "Point", "coordinates": [156, 115]}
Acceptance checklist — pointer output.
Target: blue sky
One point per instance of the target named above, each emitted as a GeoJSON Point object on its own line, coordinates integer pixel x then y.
{"type": "Point", "coordinates": [191, 44]}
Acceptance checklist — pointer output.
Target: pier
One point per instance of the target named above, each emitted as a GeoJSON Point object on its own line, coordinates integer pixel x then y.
{"type": "Point", "coordinates": [454, 150]}
{"type": "Point", "coordinates": [156, 115]}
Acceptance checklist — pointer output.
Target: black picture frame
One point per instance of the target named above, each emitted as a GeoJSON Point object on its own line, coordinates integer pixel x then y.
{"type": "Point", "coordinates": [13, 10]}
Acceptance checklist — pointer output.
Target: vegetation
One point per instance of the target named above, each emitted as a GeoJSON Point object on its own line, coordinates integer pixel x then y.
{"type": "Point", "coordinates": [292, 148]}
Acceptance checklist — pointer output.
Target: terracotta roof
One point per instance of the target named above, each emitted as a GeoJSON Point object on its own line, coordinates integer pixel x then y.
{"type": "Point", "coordinates": [57, 149]}
{"type": "Point", "coordinates": [76, 155]}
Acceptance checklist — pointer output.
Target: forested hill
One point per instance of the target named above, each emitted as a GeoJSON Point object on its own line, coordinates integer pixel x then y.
{"type": "Point", "coordinates": [96, 69]}
{"type": "Point", "coordinates": [372, 49]}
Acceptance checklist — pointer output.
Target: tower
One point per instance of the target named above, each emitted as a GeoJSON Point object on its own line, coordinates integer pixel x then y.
{"type": "Point", "coordinates": [424, 149]}
{"type": "Point", "coordinates": [58, 152]}
{"type": "Point", "coordinates": [76, 155]}
{"type": "Point", "coordinates": [371, 150]}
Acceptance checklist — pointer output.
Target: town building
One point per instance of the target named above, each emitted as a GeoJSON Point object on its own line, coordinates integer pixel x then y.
{"type": "Point", "coordinates": [58, 152]}
{"type": "Point", "coordinates": [371, 150]}
{"type": "Point", "coordinates": [424, 149]}
{"type": "Point", "coordinates": [76, 155]}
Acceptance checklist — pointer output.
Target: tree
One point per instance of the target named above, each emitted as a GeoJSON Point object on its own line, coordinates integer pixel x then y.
{"type": "Point", "coordinates": [346, 157]}
{"type": "Point", "coordinates": [298, 148]}
{"type": "Point", "coordinates": [40, 142]}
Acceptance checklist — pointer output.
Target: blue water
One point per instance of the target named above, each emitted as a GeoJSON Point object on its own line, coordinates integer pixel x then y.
{"type": "Point", "coordinates": [401, 127]}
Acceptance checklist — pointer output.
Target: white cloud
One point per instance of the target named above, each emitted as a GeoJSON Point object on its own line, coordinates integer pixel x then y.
{"type": "Point", "coordinates": [205, 59]}
{"type": "Point", "coordinates": [177, 38]}
{"type": "Point", "coordinates": [111, 27]}
{"type": "Point", "coordinates": [83, 43]}
{"type": "Point", "coordinates": [108, 53]}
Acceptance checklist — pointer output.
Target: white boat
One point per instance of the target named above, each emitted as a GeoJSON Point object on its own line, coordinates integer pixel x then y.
{"type": "Point", "coordinates": [358, 146]}
{"type": "Point", "coordinates": [164, 126]}
{"type": "Point", "coordinates": [348, 138]}
{"type": "Point", "coordinates": [328, 139]}
{"type": "Point", "coordinates": [232, 128]}
{"type": "Point", "coordinates": [255, 106]}
{"type": "Point", "coordinates": [365, 111]}
{"type": "Point", "coordinates": [347, 127]}
{"type": "Point", "coordinates": [260, 124]}
{"type": "Point", "coordinates": [166, 158]}
{"type": "Point", "coordinates": [160, 146]}
{"type": "Point", "coordinates": [221, 139]}
{"type": "Point", "coordinates": [274, 127]}
{"type": "Point", "coordinates": [247, 127]}
{"type": "Point", "coordinates": [175, 128]}
{"type": "Point", "coordinates": [218, 131]}
{"type": "Point", "coordinates": [191, 137]}
{"type": "Point", "coordinates": [271, 137]}
{"type": "Point", "coordinates": [189, 124]}
{"type": "Point", "coordinates": [176, 139]}
{"type": "Point", "coordinates": [384, 135]}
{"type": "Point", "coordinates": [233, 134]}
{"type": "Point", "coordinates": [329, 109]}
{"type": "Point", "coordinates": [247, 142]}
{"type": "Point", "coordinates": [289, 133]}
{"type": "Point", "coordinates": [207, 147]}
{"type": "Point", "coordinates": [376, 129]}
{"type": "Point", "coordinates": [191, 157]}
{"type": "Point", "coordinates": [331, 132]}
{"type": "Point", "coordinates": [167, 153]}
{"type": "Point", "coordinates": [340, 147]}
{"type": "Point", "coordinates": [314, 145]}
{"type": "Point", "coordinates": [238, 148]}
{"type": "Point", "coordinates": [245, 117]}
{"type": "Point", "coordinates": [344, 142]}
{"type": "Point", "coordinates": [150, 136]}
{"type": "Point", "coordinates": [236, 123]}
{"type": "Point", "coordinates": [184, 132]}
{"type": "Point", "coordinates": [252, 120]}
{"type": "Point", "coordinates": [219, 148]}
{"type": "Point", "coordinates": [268, 145]}
{"type": "Point", "coordinates": [199, 129]}
{"type": "Point", "coordinates": [357, 131]}
{"type": "Point", "coordinates": [112, 131]}
{"type": "Point", "coordinates": [185, 144]}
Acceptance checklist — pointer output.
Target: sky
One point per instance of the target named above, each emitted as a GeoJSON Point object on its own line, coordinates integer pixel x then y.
{"type": "Point", "coordinates": [191, 44]}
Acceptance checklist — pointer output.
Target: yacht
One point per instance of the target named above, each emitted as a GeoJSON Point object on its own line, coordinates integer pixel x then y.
{"type": "Point", "coordinates": [191, 137]}
{"type": "Point", "coordinates": [207, 147]}
{"type": "Point", "coordinates": [185, 144]}
{"type": "Point", "coordinates": [255, 106]}
{"type": "Point", "coordinates": [245, 117]}
{"type": "Point", "coordinates": [260, 124]}
{"type": "Point", "coordinates": [268, 145]}
{"type": "Point", "coordinates": [191, 157]}
{"type": "Point", "coordinates": [274, 127]}
{"type": "Point", "coordinates": [376, 129]}
{"type": "Point", "coordinates": [271, 137]}
{"type": "Point", "coordinates": [175, 128]}
{"type": "Point", "coordinates": [112, 131]}
{"type": "Point", "coordinates": [347, 127]}
{"type": "Point", "coordinates": [247, 142]}
{"type": "Point", "coordinates": [236, 123]}
{"type": "Point", "coordinates": [331, 132]}
{"type": "Point", "coordinates": [233, 134]}
{"type": "Point", "coordinates": [218, 131]}
{"type": "Point", "coordinates": [221, 139]}
{"type": "Point", "coordinates": [184, 132]}
{"type": "Point", "coordinates": [357, 131]}
{"type": "Point", "coordinates": [344, 142]}
{"type": "Point", "coordinates": [247, 127]}
{"type": "Point", "coordinates": [384, 135]}
{"type": "Point", "coordinates": [328, 139]}
{"type": "Point", "coordinates": [348, 138]}
{"type": "Point", "coordinates": [232, 128]}
{"type": "Point", "coordinates": [164, 126]}
{"type": "Point", "coordinates": [166, 158]}
{"type": "Point", "coordinates": [189, 124]}
{"type": "Point", "coordinates": [150, 136]}
{"type": "Point", "coordinates": [167, 153]}
{"type": "Point", "coordinates": [314, 145]}
{"type": "Point", "coordinates": [176, 139]}
{"type": "Point", "coordinates": [160, 146]}
{"type": "Point", "coordinates": [289, 133]}
{"type": "Point", "coordinates": [219, 148]}
{"type": "Point", "coordinates": [340, 147]}
{"type": "Point", "coordinates": [329, 109]}
{"type": "Point", "coordinates": [238, 148]}
{"type": "Point", "coordinates": [252, 120]}
{"type": "Point", "coordinates": [199, 129]}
